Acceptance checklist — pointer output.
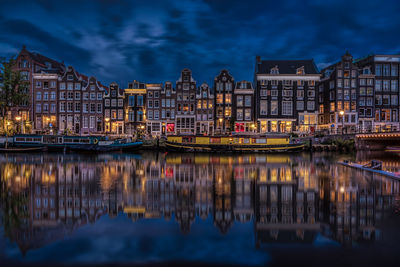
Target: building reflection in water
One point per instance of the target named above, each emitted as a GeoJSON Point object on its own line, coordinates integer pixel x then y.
{"type": "Point", "coordinates": [289, 199]}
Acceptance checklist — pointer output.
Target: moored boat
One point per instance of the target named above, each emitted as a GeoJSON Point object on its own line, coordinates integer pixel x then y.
{"type": "Point", "coordinates": [74, 143]}
{"type": "Point", "coordinates": [253, 143]}
{"type": "Point", "coordinates": [108, 146]}
{"type": "Point", "coordinates": [374, 166]}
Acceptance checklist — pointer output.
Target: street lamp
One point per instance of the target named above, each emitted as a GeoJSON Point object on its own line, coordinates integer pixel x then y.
{"type": "Point", "coordinates": [342, 114]}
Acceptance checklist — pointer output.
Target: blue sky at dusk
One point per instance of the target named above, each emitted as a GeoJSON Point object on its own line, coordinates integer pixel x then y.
{"type": "Point", "coordinates": [153, 41]}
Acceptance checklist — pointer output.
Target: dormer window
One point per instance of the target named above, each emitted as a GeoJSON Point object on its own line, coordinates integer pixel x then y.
{"type": "Point", "coordinates": [300, 71]}
{"type": "Point", "coordinates": [70, 77]}
{"type": "Point", "coordinates": [366, 71]}
{"type": "Point", "coordinates": [275, 70]}
{"type": "Point", "coordinates": [243, 85]}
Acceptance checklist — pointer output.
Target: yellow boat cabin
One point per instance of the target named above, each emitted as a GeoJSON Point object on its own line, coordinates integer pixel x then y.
{"type": "Point", "coordinates": [267, 143]}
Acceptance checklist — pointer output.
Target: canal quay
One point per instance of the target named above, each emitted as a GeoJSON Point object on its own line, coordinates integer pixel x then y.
{"type": "Point", "coordinates": [186, 208]}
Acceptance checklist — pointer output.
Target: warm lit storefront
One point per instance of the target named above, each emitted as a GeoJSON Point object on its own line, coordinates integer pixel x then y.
{"type": "Point", "coordinates": [170, 128]}
{"type": "Point", "coordinates": [282, 126]}
{"type": "Point", "coordinates": [241, 127]}
{"type": "Point", "coordinates": [308, 122]}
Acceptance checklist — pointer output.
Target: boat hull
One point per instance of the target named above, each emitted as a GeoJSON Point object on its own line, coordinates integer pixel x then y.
{"type": "Point", "coordinates": [233, 148]}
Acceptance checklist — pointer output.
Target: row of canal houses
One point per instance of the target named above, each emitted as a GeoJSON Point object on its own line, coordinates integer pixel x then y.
{"type": "Point", "coordinates": [285, 96]}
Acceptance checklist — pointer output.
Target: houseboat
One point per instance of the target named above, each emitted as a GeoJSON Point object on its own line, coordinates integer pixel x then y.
{"type": "Point", "coordinates": [73, 143]}
{"type": "Point", "coordinates": [254, 143]}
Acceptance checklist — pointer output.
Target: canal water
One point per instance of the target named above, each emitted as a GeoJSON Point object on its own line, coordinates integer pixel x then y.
{"type": "Point", "coordinates": [232, 209]}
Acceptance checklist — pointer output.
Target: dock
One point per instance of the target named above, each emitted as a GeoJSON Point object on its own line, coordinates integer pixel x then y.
{"type": "Point", "coordinates": [363, 168]}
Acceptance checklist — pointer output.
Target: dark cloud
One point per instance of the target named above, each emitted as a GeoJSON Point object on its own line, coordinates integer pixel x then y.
{"type": "Point", "coordinates": [153, 41]}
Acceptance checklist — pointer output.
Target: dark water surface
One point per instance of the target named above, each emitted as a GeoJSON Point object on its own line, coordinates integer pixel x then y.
{"type": "Point", "coordinates": [210, 208]}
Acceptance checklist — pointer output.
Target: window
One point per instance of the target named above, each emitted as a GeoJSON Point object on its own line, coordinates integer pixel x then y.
{"type": "Point", "coordinates": [86, 97]}
{"type": "Point", "coordinates": [378, 100]}
{"type": "Point", "coordinates": [70, 86]}
{"type": "Point", "coordinates": [46, 96]}
{"type": "Point", "coordinates": [300, 105]}
{"type": "Point", "coordinates": [131, 101]}
{"type": "Point", "coordinates": [77, 95]}
{"type": "Point", "coordinates": [77, 107]}
{"type": "Point", "coordinates": [163, 103]}
{"type": "Point", "coordinates": [394, 70]}
{"type": "Point", "coordinates": [263, 107]}
{"type": "Point", "coordinates": [370, 91]}
{"type": "Point", "coordinates": [353, 74]}
{"type": "Point", "coordinates": [149, 114]}
{"type": "Point", "coordinates": [394, 100]}
{"type": "Point", "coordinates": [332, 107]}
{"type": "Point", "coordinates": [363, 82]}
{"type": "Point", "coordinates": [156, 103]}
{"type": "Point", "coordinates": [228, 111]}
{"type": "Point", "coordinates": [53, 84]}
{"type": "Point", "coordinates": [247, 101]}
{"type": "Point", "coordinates": [361, 102]}
{"type": "Point", "coordinates": [220, 98]}
{"type": "Point", "coordinates": [311, 93]}
{"type": "Point", "coordinates": [62, 107]}
{"type": "Point", "coordinates": [331, 84]}
{"type": "Point", "coordinates": [228, 98]}
{"type": "Point", "coordinates": [300, 94]}
{"type": "Point", "coordinates": [339, 83]}
{"type": "Point", "coordinates": [53, 108]}
{"type": "Point", "coordinates": [339, 73]}
{"type": "Point", "coordinates": [287, 108]}
{"type": "Point", "coordinates": [70, 106]}
{"type": "Point", "coordinates": [346, 83]}
{"type": "Point", "coordinates": [149, 103]}
{"type": "Point", "coordinates": [52, 95]}
{"type": "Point", "coordinates": [239, 101]}
{"type": "Point", "coordinates": [156, 94]}
{"type": "Point", "coordinates": [386, 70]}
{"type": "Point", "coordinates": [99, 96]}
{"type": "Point", "coordinates": [274, 107]}
{"type": "Point", "coordinates": [228, 86]}
{"type": "Point", "coordinates": [120, 114]}
{"type": "Point", "coordinates": [247, 114]}
{"type": "Point", "coordinates": [38, 96]}
{"type": "Point", "coordinates": [38, 84]}
{"type": "Point", "coordinates": [287, 93]}
{"type": "Point", "coordinates": [353, 83]}
{"type": "Point", "coordinates": [92, 108]}
{"type": "Point", "coordinates": [263, 92]}
{"type": "Point", "coordinates": [92, 96]}
{"type": "Point", "coordinates": [99, 108]}
{"type": "Point", "coordinates": [378, 70]}
{"type": "Point", "coordinates": [239, 114]}
{"type": "Point", "coordinates": [274, 93]}
{"type": "Point", "coordinates": [107, 102]}
{"type": "Point", "coordinates": [310, 105]}
{"type": "Point", "coordinates": [70, 77]}
{"type": "Point", "coordinates": [140, 100]}
{"type": "Point", "coordinates": [77, 86]}
{"type": "Point", "coordinates": [38, 108]}
{"type": "Point", "coordinates": [393, 86]}
{"type": "Point", "coordinates": [385, 85]}
{"type": "Point", "coordinates": [386, 100]}
{"type": "Point", "coordinates": [156, 115]}
{"type": "Point", "coordinates": [70, 95]}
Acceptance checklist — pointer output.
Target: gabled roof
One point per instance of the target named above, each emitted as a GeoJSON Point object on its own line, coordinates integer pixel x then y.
{"type": "Point", "coordinates": [286, 66]}
{"type": "Point", "coordinates": [42, 60]}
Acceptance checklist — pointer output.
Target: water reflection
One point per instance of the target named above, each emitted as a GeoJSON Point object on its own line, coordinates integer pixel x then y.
{"type": "Point", "coordinates": [289, 198]}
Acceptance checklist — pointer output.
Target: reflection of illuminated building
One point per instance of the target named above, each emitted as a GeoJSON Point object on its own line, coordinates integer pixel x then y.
{"type": "Point", "coordinates": [223, 208]}
{"type": "Point", "coordinates": [290, 198]}
{"type": "Point", "coordinates": [286, 210]}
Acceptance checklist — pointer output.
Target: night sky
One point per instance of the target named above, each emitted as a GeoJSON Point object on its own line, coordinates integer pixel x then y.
{"type": "Point", "coordinates": [152, 41]}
